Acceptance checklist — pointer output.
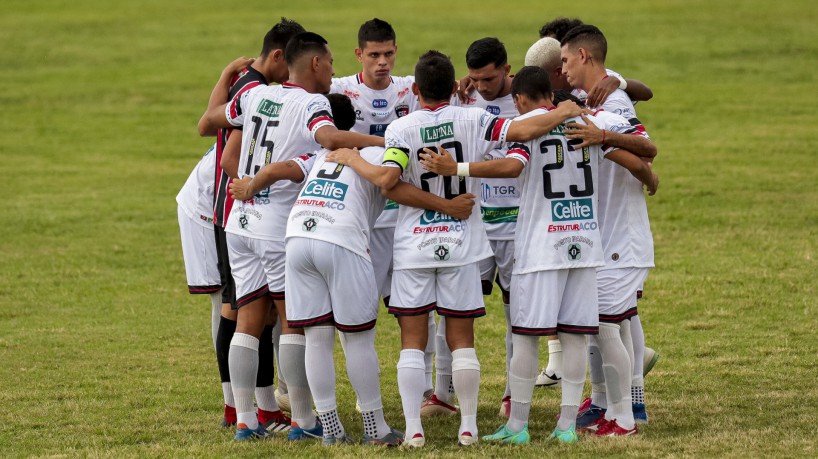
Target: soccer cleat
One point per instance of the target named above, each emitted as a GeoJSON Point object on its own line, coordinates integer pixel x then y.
{"type": "Point", "coordinates": [466, 439]}
{"type": "Point", "coordinates": [244, 433]}
{"type": "Point", "coordinates": [591, 419]}
{"type": "Point", "coordinates": [333, 441]}
{"type": "Point", "coordinates": [229, 419]}
{"type": "Point", "coordinates": [613, 429]}
{"type": "Point", "coordinates": [565, 436]}
{"type": "Point", "coordinates": [505, 407]}
{"type": "Point", "coordinates": [274, 421]}
{"type": "Point", "coordinates": [283, 399]}
{"type": "Point", "coordinates": [504, 435]}
{"type": "Point", "coordinates": [434, 407]}
{"type": "Point", "coordinates": [547, 379]}
{"type": "Point", "coordinates": [427, 395]}
{"type": "Point", "coordinates": [417, 441]}
{"type": "Point", "coordinates": [390, 440]}
{"type": "Point", "coordinates": [640, 414]}
{"type": "Point", "coordinates": [297, 433]}
{"type": "Point", "coordinates": [649, 360]}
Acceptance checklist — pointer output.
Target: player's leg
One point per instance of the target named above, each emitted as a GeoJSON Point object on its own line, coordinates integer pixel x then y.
{"type": "Point", "coordinates": [459, 299]}
{"type": "Point", "coordinates": [504, 259]}
{"type": "Point", "coordinates": [442, 401]}
{"type": "Point", "coordinates": [227, 323]}
{"type": "Point", "coordinates": [282, 397]}
{"type": "Point", "coordinates": [269, 413]}
{"type": "Point", "coordinates": [639, 353]}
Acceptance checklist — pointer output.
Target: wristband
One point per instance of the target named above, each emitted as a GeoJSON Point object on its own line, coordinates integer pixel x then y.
{"type": "Point", "coordinates": [603, 137]}
{"type": "Point", "coordinates": [622, 83]}
{"type": "Point", "coordinates": [462, 169]}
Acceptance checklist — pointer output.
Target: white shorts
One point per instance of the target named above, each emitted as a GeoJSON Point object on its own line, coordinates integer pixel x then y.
{"type": "Point", "coordinates": [257, 266]}
{"type": "Point", "coordinates": [326, 282]}
{"type": "Point", "coordinates": [453, 292]}
{"type": "Point", "coordinates": [501, 263]}
{"type": "Point", "coordinates": [381, 245]}
{"type": "Point", "coordinates": [618, 291]}
{"type": "Point", "coordinates": [199, 253]}
{"type": "Point", "coordinates": [547, 302]}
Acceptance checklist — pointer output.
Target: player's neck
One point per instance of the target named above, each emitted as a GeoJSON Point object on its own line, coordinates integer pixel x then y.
{"type": "Point", "coordinates": [594, 75]}
{"type": "Point", "coordinates": [376, 84]}
{"type": "Point", "coordinates": [258, 66]}
{"type": "Point", "coordinates": [506, 87]}
{"type": "Point", "coordinates": [308, 84]}
{"type": "Point", "coordinates": [431, 104]}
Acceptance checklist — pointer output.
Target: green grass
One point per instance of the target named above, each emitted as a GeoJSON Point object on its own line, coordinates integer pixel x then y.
{"type": "Point", "coordinates": [103, 352]}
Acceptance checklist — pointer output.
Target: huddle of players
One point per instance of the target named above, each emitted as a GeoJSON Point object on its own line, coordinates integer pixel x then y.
{"type": "Point", "coordinates": [330, 225]}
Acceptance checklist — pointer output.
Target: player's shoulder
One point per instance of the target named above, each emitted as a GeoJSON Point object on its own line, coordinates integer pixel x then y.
{"type": "Point", "coordinates": [373, 155]}
{"type": "Point", "coordinates": [535, 112]}
{"type": "Point", "coordinates": [619, 103]}
{"type": "Point", "coordinates": [403, 81]}
{"type": "Point", "coordinates": [611, 73]}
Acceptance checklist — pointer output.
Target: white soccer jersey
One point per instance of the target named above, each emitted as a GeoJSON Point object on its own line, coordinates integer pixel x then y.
{"type": "Point", "coordinates": [196, 196]}
{"type": "Point", "coordinates": [427, 239]}
{"type": "Point", "coordinates": [499, 197]}
{"type": "Point", "coordinates": [279, 124]}
{"type": "Point", "coordinates": [557, 227]}
{"type": "Point", "coordinates": [336, 205]}
{"type": "Point", "coordinates": [623, 211]}
{"type": "Point", "coordinates": [374, 110]}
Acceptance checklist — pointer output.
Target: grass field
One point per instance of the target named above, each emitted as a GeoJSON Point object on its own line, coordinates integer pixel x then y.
{"type": "Point", "coordinates": [104, 353]}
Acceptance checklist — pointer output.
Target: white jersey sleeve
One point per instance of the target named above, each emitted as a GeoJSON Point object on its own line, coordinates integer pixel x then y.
{"type": "Point", "coordinates": [196, 196]}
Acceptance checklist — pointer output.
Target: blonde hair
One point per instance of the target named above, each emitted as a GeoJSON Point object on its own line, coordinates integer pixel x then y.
{"type": "Point", "coordinates": [544, 53]}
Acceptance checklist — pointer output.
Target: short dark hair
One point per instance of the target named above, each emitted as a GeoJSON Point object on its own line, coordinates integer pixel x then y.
{"type": "Point", "coordinates": [533, 82]}
{"type": "Point", "coordinates": [434, 75]}
{"type": "Point", "coordinates": [376, 30]}
{"type": "Point", "coordinates": [559, 27]}
{"type": "Point", "coordinates": [588, 37]}
{"type": "Point", "coordinates": [561, 95]}
{"type": "Point", "coordinates": [486, 51]}
{"type": "Point", "coordinates": [304, 43]}
{"type": "Point", "coordinates": [343, 114]}
{"type": "Point", "coordinates": [279, 35]}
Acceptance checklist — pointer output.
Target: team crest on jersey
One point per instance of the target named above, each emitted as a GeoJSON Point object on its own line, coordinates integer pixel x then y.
{"type": "Point", "coordinates": [243, 221]}
{"type": "Point", "coordinates": [437, 133]}
{"type": "Point", "coordinates": [493, 109]}
{"type": "Point", "coordinates": [309, 225]}
{"type": "Point", "coordinates": [441, 252]}
{"type": "Point", "coordinates": [402, 110]}
{"type": "Point", "coordinates": [574, 252]}
{"type": "Point", "coordinates": [379, 103]}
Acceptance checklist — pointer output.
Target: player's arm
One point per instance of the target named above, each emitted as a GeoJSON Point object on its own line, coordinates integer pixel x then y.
{"type": "Point", "coordinates": [219, 95]}
{"type": "Point", "coordinates": [590, 134]}
{"type": "Point", "coordinates": [231, 155]}
{"type": "Point", "coordinates": [537, 126]}
{"type": "Point", "coordinates": [444, 164]}
{"type": "Point", "coordinates": [637, 167]}
{"type": "Point", "coordinates": [459, 207]}
{"type": "Point", "coordinates": [635, 89]}
{"type": "Point", "coordinates": [384, 177]}
{"type": "Point", "coordinates": [248, 187]}
{"type": "Point", "coordinates": [332, 138]}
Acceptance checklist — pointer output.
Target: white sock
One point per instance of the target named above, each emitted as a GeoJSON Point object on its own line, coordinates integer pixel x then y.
{"type": "Point", "coordinates": [466, 381]}
{"type": "Point", "coordinates": [332, 423]}
{"type": "Point", "coordinates": [574, 362]}
{"type": "Point", "coordinates": [215, 315]}
{"type": "Point", "coordinates": [411, 370]}
{"type": "Point", "coordinates": [292, 348]}
{"type": "Point", "coordinates": [522, 377]}
{"type": "Point", "coordinates": [554, 366]}
{"type": "Point", "coordinates": [374, 423]}
{"type": "Point", "coordinates": [509, 347]}
{"type": "Point", "coordinates": [362, 369]}
{"type": "Point", "coordinates": [243, 362]}
{"type": "Point", "coordinates": [598, 390]}
{"type": "Point", "coordinates": [281, 384]}
{"type": "Point", "coordinates": [320, 367]}
{"type": "Point", "coordinates": [444, 390]}
{"type": "Point", "coordinates": [266, 398]}
{"type": "Point", "coordinates": [638, 340]}
{"type": "Point", "coordinates": [617, 370]}
{"type": "Point", "coordinates": [227, 392]}
{"type": "Point", "coordinates": [429, 355]}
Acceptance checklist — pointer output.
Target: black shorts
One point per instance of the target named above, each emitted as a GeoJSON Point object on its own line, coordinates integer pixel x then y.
{"type": "Point", "coordinates": [225, 275]}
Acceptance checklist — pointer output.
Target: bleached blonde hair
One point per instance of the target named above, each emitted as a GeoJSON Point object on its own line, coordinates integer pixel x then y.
{"type": "Point", "coordinates": [544, 53]}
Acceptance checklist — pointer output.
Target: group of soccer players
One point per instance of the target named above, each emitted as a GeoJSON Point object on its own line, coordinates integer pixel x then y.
{"type": "Point", "coordinates": [342, 191]}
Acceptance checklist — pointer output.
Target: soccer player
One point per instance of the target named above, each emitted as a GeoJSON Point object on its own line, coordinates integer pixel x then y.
{"type": "Point", "coordinates": [557, 248]}
{"type": "Point", "coordinates": [281, 122]}
{"type": "Point", "coordinates": [436, 256]}
{"type": "Point", "coordinates": [628, 248]}
{"type": "Point", "coordinates": [270, 66]}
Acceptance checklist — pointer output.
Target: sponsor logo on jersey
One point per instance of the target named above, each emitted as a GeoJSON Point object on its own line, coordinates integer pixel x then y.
{"type": "Point", "coordinates": [430, 217]}
{"type": "Point", "coordinates": [441, 252]}
{"type": "Point", "coordinates": [499, 214]}
{"type": "Point", "coordinates": [378, 129]}
{"type": "Point", "coordinates": [402, 110]}
{"type": "Point", "coordinates": [269, 108]}
{"type": "Point", "coordinates": [379, 103]}
{"type": "Point", "coordinates": [403, 92]}
{"type": "Point", "coordinates": [358, 116]}
{"type": "Point", "coordinates": [309, 225]}
{"type": "Point", "coordinates": [436, 222]}
{"type": "Point", "coordinates": [574, 252]}
{"type": "Point", "coordinates": [572, 209]}
{"type": "Point", "coordinates": [379, 114]}
{"type": "Point", "coordinates": [352, 94]}
{"type": "Point", "coordinates": [584, 226]}
{"type": "Point", "coordinates": [437, 133]}
{"type": "Point", "coordinates": [390, 205]}
{"type": "Point", "coordinates": [493, 109]}
{"type": "Point", "coordinates": [325, 189]}
{"type": "Point", "coordinates": [498, 191]}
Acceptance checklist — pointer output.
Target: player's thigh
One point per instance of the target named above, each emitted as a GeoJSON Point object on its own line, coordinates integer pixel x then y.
{"type": "Point", "coordinates": [504, 258]}
{"type": "Point", "coordinates": [352, 289]}
{"type": "Point", "coordinates": [413, 291]}
{"type": "Point", "coordinates": [381, 244]}
{"type": "Point", "coordinates": [488, 268]}
{"type": "Point", "coordinates": [535, 302]}
{"type": "Point", "coordinates": [617, 292]}
{"type": "Point", "coordinates": [308, 297]}
{"type": "Point", "coordinates": [458, 291]}
{"type": "Point", "coordinates": [272, 254]}
{"type": "Point", "coordinates": [579, 301]}
{"type": "Point", "coordinates": [247, 268]}
{"type": "Point", "coordinates": [199, 254]}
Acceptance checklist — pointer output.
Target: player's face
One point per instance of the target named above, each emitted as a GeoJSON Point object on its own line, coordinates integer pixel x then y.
{"type": "Point", "coordinates": [325, 72]}
{"type": "Point", "coordinates": [489, 80]}
{"type": "Point", "coordinates": [377, 58]}
{"type": "Point", "coordinates": [571, 62]}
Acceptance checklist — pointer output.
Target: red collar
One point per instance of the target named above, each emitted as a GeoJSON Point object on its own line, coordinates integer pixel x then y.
{"type": "Point", "coordinates": [287, 84]}
{"type": "Point", "coordinates": [436, 107]}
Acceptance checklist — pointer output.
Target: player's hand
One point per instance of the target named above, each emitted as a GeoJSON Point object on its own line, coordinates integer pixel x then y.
{"type": "Point", "coordinates": [241, 189]}
{"type": "Point", "coordinates": [601, 91]}
{"type": "Point", "coordinates": [237, 65]}
{"type": "Point", "coordinates": [464, 89]}
{"type": "Point", "coordinates": [440, 163]}
{"type": "Point", "coordinates": [343, 156]}
{"type": "Point", "coordinates": [569, 109]}
{"type": "Point", "coordinates": [589, 133]}
{"type": "Point", "coordinates": [653, 185]}
{"type": "Point", "coordinates": [461, 206]}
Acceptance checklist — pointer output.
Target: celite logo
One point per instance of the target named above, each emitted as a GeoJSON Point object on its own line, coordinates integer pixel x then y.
{"type": "Point", "coordinates": [325, 189]}
{"type": "Point", "coordinates": [379, 103]}
{"type": "Point", "coordinates": [572, 209]}
{"type": "Point", "coordinates": [269, 108]}
{"type": "Point", "coordinates": [493, 109]}
{"type": "Point", "coordinates": [437, 133]}
{"type": "Point", "coordinates": [430, 217]}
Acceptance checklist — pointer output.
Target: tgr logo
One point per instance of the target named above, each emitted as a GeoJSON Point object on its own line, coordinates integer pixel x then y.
{"type": "Point", "coordinates": [572, 209]}
{"type": "Point", "coordinates": [325, 189]}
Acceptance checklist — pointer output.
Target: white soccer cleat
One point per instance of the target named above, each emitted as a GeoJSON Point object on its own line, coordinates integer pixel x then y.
{"type": "Point", "coordinates": [466, 439]}
{"type": "Point", "coordinates": [434, 407]}
{"type": "Point", "coordinates": [417, 441]}
{"type": "Point", "coordinates": [546, 379]}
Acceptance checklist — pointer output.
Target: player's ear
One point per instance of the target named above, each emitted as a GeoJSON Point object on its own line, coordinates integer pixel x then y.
{"type": "Point", "coordinates": [277, 55]}
{"type": "Point", "coordinates": [359, 54]}
{"type": "Point", "coordinates": [507, 69]}
{"type": "Point", "coordinates": [583, 55]}
{"type": "Point", "coordinates": [316, 63]}
{"type": "Point", "coordinates": [415, 88]}
{"type": "Point", "coordinates": [455, 86]}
